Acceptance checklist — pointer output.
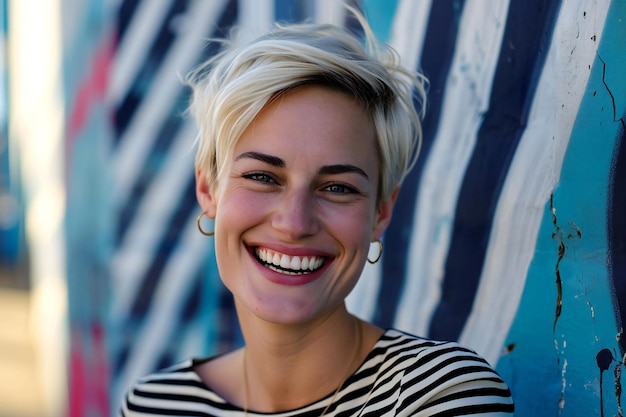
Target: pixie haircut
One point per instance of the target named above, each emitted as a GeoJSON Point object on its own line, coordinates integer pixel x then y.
{"type": "Point", "coordinates": [230, 89]}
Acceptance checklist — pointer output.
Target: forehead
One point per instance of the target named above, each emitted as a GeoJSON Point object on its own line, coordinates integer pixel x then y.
{"type": "Point", "coordinates": [317, 122]}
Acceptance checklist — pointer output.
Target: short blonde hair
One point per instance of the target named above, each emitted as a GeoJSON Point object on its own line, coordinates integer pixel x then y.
{"type": "Point", "coordinates": [231, 88]}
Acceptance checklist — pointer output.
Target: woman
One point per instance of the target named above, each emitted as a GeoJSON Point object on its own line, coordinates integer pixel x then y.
{"type": "Point", "coordinates": [305, 137]}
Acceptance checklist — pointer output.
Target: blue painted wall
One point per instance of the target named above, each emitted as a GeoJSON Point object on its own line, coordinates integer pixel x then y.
{"type": "Point", "coordinates": [508, 235]}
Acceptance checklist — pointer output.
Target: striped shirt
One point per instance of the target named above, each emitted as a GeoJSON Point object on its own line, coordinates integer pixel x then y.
{"type": "Point", "coordinates": [402, 375]}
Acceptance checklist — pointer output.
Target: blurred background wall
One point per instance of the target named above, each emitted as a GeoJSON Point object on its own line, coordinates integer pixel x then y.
{"type": "Point", "coordinates": [508, 236]}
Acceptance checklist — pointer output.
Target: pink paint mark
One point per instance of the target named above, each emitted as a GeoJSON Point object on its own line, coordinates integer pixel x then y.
{"type": "Point", "coordinates": [101, 370]}
{"type": "Point", "coordinates": [89, 373]}
{"type": "Point", "coordinates": [92, 88]}
{"type": "Point", "coordinates": [77, 383]}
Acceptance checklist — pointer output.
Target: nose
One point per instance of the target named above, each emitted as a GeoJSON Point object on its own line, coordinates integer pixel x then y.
{"type": "Point", "coordinates": [296, 215]}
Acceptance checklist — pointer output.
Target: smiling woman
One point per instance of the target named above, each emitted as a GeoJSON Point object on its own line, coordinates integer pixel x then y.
{"type": "Point", "coordinates": [305, 138]}
{"type": "Point", "coordinates": [302, 184]}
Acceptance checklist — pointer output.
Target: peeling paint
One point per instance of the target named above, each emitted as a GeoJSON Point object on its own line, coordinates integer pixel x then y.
{"type": "Point", "coordinates": [593, 311]}
{"type": "Point", "coordinates": [563, 385]}
{"type": "Point", "coordinates": [576, 233]}
{"type": "Point", "coordinates": [618, 386]}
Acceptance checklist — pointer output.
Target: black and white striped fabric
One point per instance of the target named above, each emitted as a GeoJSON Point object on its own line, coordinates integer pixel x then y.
{"type": "Point", "coordinates": [402, 376]}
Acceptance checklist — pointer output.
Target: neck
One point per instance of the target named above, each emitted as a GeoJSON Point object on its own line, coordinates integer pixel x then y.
{"type": "Point", "coordinates": [289, 369]}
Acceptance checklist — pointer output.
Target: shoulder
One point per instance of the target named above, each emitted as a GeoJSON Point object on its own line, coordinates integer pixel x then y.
{"type": "Point", "coordinates": [179, 374]}
{"type": "Point", "coordinates": [168, 391]}
{"type": "Point", "coordinates": [418, 352]}
{"type": "Point", "coordinates": [433, 376]}
{"type": "Point", "coordinates": [413, 351]}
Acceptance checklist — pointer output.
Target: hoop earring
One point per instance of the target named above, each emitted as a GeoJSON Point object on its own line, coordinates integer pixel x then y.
{"type": "Point", "coordinates": [380, 253]}
{"type": "Point", "coordinates": [200, 226]}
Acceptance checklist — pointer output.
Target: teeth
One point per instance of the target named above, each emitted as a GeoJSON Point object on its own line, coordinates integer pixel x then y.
{"type": "Point", "coordinates": [289, 264]}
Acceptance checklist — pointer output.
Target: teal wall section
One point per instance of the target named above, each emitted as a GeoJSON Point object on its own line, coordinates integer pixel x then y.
{"type": "Point", "coordinates": [567, 318]}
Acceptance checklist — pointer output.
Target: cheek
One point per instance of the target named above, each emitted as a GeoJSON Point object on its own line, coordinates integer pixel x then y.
{"type": "Point", "coordinates": [237, 213]}
{"type": "Point", "coordinates": [351, 224]}
{"type": "Point", "coordinates": [236, 209]}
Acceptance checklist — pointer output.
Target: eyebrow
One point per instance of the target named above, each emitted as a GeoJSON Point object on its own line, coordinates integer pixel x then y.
{"type": "Point", "coordinates": [325, 170]}
{"type": "Point", "coordinates": [268, 159]}
{"type": "Point", "coordinates": [342, 169]}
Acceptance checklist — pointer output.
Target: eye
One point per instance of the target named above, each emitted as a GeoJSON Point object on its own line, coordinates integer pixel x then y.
{"type": "Point", "coordinates": [340, 189]}
{"type": "Point", "coordinates": [261, 177]}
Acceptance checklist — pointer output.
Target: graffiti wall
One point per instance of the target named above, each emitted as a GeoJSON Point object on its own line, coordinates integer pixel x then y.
{"type": "Point", "coordinates": [508, 235]}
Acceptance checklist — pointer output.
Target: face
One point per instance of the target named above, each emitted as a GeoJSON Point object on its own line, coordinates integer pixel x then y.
{"type": "Point", "coordinates": [295, 209]}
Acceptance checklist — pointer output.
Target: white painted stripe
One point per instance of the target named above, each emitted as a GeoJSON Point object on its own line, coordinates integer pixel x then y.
{"type": "Point", "coordinates": [176, 282]}
{"type": "Point", "coordinates": [465, 100]}
{"type": "Point", "coordinates": [255, 18]}
{"type": "Point", "coordinates": [143, 129]}
{"type": "Point", "coordinates": [330, 11]}
{"type": "Point", "coordinates": [131, 53]}
{"type": "Point", "coordinates": [409, 29]}
{"type": "Point", "coordinates": [135, 253]}
{"type": "Point", "coordinates": [533, 175]}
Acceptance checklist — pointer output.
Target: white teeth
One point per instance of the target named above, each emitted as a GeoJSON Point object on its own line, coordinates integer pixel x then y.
{"type": "Point", "coordinates": [294, 264]}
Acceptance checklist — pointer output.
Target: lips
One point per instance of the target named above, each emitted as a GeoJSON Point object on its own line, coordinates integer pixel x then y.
{"type": "Point", "coordinates": [289, 265]}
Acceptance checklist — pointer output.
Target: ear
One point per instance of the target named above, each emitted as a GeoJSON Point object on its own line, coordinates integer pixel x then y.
{"type": "Point", "coordinates": [383, 215]}
{"type": "Point", "coordinates": [205, 194]}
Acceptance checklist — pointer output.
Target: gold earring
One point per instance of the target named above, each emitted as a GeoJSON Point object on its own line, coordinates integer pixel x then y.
{"type": "Point", "coordinates": [380, 253]}
{"type": "Point", "coordinates": [200, 226]}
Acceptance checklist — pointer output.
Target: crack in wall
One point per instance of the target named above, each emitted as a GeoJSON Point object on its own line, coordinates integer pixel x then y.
{"type": "Point", "coordinates": [557, 235]}
{"type": "Point", "coordinates": [608, 90]}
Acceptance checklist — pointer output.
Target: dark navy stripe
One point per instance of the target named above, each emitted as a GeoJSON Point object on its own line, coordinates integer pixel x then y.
{"type": "Point", "coordinates": [350, 22]}
{"type": "Point", "coordinates": [524, 48]}
{"type": "Point", "coordinates": [193, 302]}
{"type": "Point", "coordinates": [292, 10]}
{"type": "Point", "coordinates": [227, 19]}
{"type": "Point", "coordinates": [617, 229]}
{"type": "Point", "coordinates": [125, 111]}
{"type": "Point", "coordinates": [125, 15]}
{"type": "Point", "coordinates": [120, 358]}
{"type": "Point", "coordinates": [439, 46]}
